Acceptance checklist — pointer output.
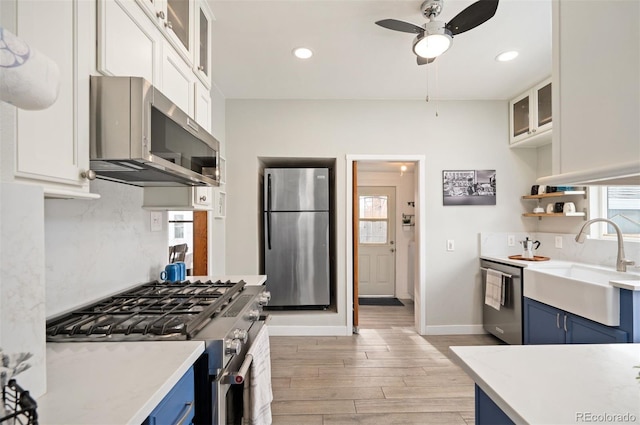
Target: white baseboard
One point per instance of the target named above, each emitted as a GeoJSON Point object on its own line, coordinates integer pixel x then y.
{"type": "Point", "coordinates": [455, 330]}
{"type": "Point", "coordinates": [275, 330]}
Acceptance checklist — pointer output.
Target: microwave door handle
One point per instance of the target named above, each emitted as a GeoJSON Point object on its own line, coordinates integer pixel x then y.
{"type": "Point", "coordinates": [269, 211]}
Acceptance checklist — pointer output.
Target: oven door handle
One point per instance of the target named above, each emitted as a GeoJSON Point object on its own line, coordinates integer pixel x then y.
{"type": "Point", "coordinates": [238, 377]}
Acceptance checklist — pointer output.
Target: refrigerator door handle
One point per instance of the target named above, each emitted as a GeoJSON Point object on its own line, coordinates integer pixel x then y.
{"type": "Point", "coordinates": [269, 211]}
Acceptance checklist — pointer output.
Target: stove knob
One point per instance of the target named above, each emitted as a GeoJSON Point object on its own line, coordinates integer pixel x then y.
{"type": "Point", "coordinates": [233, 346]}
{"type": "Point", "coordinates": [264, 298]}
{"type": "Point", "coordinates": [241, 334]}
{"type": "Point", "coordinates": [254, 315]}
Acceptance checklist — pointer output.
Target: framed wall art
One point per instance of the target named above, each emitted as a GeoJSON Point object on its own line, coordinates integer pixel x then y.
{"type": "Point", "coordinates": [469, 187]}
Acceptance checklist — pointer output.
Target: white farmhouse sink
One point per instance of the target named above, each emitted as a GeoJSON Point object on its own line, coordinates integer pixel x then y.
{"type": "Point", "coordinates": [579, 289]}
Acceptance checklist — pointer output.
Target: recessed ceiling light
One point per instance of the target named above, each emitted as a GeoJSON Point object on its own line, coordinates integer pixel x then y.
{"type": "Point", "coordinates": [302, 53]}
{"type": "Point", "coordinates": [507, 56]}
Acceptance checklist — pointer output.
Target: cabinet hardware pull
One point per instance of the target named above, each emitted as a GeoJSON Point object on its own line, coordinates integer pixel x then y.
{"type": "Point", "coordinates": [200, 68]}
{"type": "Point", "coordinates": [558, 320]}
{"type": "Point", "coordinates": [189, 406]}
{"type": "Point", "coordinates": [89, 175]}
{"type": "Point", "coordinates": [203, 198]}
{"type": "Point", "coordinates": [160, 14]}
{"type": "Point", "coordinates": [565, 323]}
{"type": "Point", "coordinates": [168, 24]}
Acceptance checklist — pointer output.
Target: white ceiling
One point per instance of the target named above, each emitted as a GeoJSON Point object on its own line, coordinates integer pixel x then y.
{"type": "Point", "coordinates": [356, 59]}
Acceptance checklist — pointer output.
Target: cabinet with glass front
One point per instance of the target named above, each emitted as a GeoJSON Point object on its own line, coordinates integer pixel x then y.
{"type": "Point", "coordinates": [530, 118]}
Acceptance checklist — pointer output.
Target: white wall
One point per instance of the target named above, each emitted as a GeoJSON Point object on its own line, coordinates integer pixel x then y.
{"type": "Point", "coordinates": [404, 234]}
{"type": "Point", "coordinates": [466, 135]}
{"type": "Point", "coordinates": [99, 247]}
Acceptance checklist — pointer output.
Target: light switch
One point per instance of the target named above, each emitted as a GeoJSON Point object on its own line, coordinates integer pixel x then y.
{"type": "Point", "coordinates": [450, 245]}
{"type": "Point", "coordinates": [156, 221]}
{"type": "Point", "coordinates": [511, 240]}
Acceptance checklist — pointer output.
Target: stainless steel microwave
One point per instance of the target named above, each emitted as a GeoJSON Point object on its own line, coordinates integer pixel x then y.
{"type": "Point", "coordinates": [139, 137]}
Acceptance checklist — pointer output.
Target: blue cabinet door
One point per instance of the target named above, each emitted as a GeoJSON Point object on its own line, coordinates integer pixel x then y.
{"type": "Point", "coordinates": [177, 406]}
{"type": "Point", "coordinates": [543, 324]}
{"type": "Point", "coordinates": [584, 331]}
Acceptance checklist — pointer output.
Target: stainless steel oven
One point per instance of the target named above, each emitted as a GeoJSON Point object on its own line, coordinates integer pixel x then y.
{"type": "Point", "coordinates": [505, 323]}
{"type": "Point", "coordinates": [227, 316]}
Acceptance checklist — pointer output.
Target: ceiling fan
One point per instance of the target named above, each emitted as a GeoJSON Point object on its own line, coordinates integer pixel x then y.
{"type": "Point", "coordinates": [435, 37]}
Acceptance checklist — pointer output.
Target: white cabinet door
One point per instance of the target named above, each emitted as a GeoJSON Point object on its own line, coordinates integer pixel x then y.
{"type": "Point", "coordinates": [52, 145]}
{"type": "Point", "coordinates": [128, 43]}
{"type": "Point", "coordinates": [598, 85]}
{"type": "Point", "coordinates": [530, 118]}
{"type": "Point", "coordinates": [175, 20]}
{"type": "Point", "coordinates": [177, 81]}
{"type": "Point", "coordinates": [203, 106]}
{"type": "Point", "coordinates": [202, 63]}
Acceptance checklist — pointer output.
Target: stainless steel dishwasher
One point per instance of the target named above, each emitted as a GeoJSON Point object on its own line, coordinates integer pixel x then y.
{"type": "Point", "coordinates": [505, 323]}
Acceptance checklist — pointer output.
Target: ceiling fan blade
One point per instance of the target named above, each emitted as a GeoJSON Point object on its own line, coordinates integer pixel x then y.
{"type": "Point", "coordinates": [424, 61]}
{"type": "Point", "coordinates": [394, 24]}
{"type": "Point", "coordinates": [474, 15]}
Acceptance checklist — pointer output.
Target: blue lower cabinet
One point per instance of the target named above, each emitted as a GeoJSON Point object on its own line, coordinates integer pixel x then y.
{"type": "Point", "coordinates": [544, 324]}
{"type": "Point", "coordinates": [584, 331]}
{"type": "Point", "coordinates": [487, 412]}
{"type": "Point", "coordinates": [177, 407]}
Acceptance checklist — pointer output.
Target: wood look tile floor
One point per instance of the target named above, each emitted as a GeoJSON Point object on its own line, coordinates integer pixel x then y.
{"type": "Point", "coordinates": [387, 375]}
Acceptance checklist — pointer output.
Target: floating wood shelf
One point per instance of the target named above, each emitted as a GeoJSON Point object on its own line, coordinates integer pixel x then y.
{"type": "Point", "coordinates": [555, 194]}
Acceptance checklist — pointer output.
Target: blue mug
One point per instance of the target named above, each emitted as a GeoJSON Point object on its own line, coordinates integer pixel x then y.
{"type": "Point", "coordinates": [171, 273]}
{"type": "Point", "coordinates": [182, 274]}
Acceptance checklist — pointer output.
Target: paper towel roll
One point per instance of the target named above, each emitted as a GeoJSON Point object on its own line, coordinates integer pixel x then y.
{"type": "Point", "coordinates": [28, 79]}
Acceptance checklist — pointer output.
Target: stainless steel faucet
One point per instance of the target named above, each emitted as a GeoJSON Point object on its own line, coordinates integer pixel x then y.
{"type": "Point", "coordinates": [621, 262]}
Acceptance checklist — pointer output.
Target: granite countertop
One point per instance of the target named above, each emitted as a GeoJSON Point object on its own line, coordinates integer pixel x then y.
{"type": "Point", "coordinates": [111, 382]}
{"type": "Point", "coordinates": [557, 384]}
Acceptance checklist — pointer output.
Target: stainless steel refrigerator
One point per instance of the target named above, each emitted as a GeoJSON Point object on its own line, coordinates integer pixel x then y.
{"type": "Point", "coordinates": [296, 236]}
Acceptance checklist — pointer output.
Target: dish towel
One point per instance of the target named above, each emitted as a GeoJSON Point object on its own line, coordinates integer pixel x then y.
{"type": "Point", "coordinates": [493, 294]}
{"type": "Point", "coordinates": [28, 79]}
{"type": "Point", "coordinates": [260, 391]}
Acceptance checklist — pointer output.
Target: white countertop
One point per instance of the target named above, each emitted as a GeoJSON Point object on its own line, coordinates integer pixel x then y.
{"type": "Point", "coordinates": [632, 284]}
{"type": "Point", "coordinates": [554, 384]}
{"type": "Point", "coordinates": [111, 382]}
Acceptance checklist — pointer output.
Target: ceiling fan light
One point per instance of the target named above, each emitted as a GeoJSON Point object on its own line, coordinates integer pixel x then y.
{"type": "Point", "coordinates": [432, 45]}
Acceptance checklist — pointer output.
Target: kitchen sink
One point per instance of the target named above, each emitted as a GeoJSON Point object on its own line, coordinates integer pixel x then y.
{"type": "Point", "coordinates": [577, 288]}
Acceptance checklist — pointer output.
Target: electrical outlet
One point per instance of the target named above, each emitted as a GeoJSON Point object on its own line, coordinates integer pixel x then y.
{"type": "Point", "coordinates": [156, 221]}
{"type": "Point", "coordinates": [559, 242]}
{"type": "Point", "coordinates": [450, 245]}
{"type": "Point", "coordinates": [511, 240]}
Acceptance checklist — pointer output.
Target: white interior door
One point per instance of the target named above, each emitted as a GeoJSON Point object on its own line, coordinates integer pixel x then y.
{"type": "Point", "coordinates": [376, 244]}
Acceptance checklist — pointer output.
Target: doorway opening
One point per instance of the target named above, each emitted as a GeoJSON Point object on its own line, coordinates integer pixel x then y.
{"type": "Point", "coordinates": [385, 235]}
{"type": "Point", "coordinates": [188, 235]}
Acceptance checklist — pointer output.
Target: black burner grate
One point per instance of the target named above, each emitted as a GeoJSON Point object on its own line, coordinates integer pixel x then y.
{"type": "Point", "coordinates": [154, 310]}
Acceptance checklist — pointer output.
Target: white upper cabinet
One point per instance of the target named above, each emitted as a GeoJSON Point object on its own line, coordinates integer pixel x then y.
{"type": "Point", "coordinates": [128, 43]}
{"type": "Point", "coordinates": [175, 18]}
{"type": "Point", "coordinates": [202, 64]}
{"type": "Point", "coordinates": [597, 85]}
{"type": "Point", "coordinates": [51, 146]}
{"type": "Point", "coordinates": [530, 119]}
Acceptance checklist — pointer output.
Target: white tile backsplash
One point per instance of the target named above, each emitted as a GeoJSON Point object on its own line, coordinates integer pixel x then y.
{"type": "Point", "coordinates": [592, 251]}
{"type": "Point", "coordinates": [95, 248]}
{"type": "Point", "coordinates": [22, 289]}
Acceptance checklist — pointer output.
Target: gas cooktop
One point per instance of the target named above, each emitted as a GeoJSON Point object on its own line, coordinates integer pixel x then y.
{"type": "Point", "coordinates": [151, 311]}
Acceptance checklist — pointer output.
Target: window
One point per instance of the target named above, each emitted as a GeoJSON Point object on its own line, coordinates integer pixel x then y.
{"type": "Point", "coordinates": [374, 219]}
{"type": "Point", "coordinates": [181, 228]}
{"type": "Point", "coordinates": [620, 204]}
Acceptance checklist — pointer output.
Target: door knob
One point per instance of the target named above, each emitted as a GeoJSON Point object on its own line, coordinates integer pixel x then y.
{"type": "Point", "coordinates": [391, 242]}
{"type": "Point", "coordinates": [392, 250]}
